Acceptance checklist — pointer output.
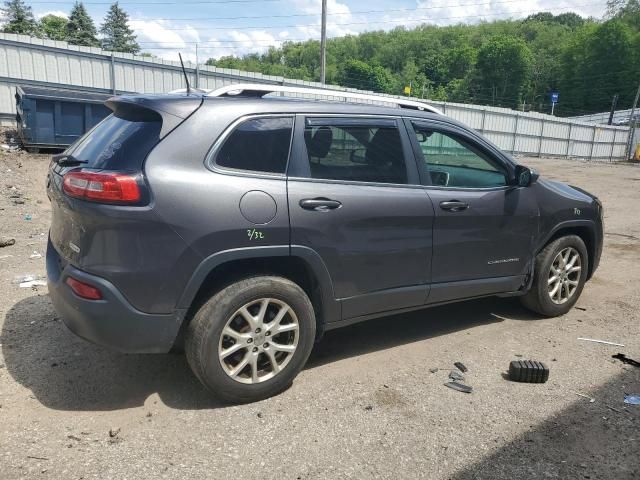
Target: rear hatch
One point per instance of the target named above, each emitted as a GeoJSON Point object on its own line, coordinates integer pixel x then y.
{"type": "Point", "coordinates": [97, 185]}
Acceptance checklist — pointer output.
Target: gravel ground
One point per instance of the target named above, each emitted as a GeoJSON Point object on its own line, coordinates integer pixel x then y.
{"type": "Point", "coordinates": [366, 406]}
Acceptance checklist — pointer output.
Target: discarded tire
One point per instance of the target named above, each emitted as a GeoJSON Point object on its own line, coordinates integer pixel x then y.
{"type": "Point", "coordinates": [528, 371]}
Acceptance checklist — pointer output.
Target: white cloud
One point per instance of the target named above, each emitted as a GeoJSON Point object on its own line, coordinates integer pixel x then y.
{"type": "Point", "coordinates": [165, 38]}
{"type": "Point", "coordinates": [238, 43]}
{"type": "Point", "coordinates": [339, 19]}
{"type": "Point", "coordinates": [159, 38]}
{"type": "Point", "coordinates": [447, 12]}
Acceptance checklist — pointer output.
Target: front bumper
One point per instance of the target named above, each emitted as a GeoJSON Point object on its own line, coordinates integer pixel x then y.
{"type": "Point", "coordinates": [111, 322]}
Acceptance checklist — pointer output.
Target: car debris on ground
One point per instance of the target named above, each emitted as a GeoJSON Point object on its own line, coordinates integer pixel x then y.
{"type": "Point", "coordinates": [30, 280]}
{"type": "Point", "coordinates": [7, 241]}
{"type": "Point", "coordinates": [528, 371]}
{"type": "Point", "coordinates": [460, 366]}
{"type": "Point", "coordinates": [624, 359]}
{"type": "Point", "coordinates": [632, 399]}
{"type": "Point", "coordinates": [456, 379]}
{"type": "Point", "coordinates": [605, 342]}
{"type": "Point", "coordinates": [591, 399]}
{"type": "Point", "coordinates": [460, 387]}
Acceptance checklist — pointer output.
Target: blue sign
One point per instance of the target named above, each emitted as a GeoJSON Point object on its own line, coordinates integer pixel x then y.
{"type": "Point", "coordinates": [554, 97]}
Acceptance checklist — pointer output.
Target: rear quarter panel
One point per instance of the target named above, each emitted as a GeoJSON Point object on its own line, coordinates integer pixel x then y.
{"type": "Point", "coordinates": [202, 206]}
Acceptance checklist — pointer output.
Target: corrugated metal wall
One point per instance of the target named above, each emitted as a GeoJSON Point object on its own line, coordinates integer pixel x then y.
{"type": "Point", "coordinates": [619, 117]}
{"type": "Point", "coordinates": [27, 60]}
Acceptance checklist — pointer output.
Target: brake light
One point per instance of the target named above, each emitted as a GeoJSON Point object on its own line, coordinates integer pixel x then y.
{"type": "Point", "coordinates": [83, 290]}
{"type": "Point", "coordinates": [107, 187]}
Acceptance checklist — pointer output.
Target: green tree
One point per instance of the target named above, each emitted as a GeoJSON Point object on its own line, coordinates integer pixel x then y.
{"type": "Point", "coordinates": [18, 18]}
{"type": "Point", "coordinates": [80, 29]}
{"type": "Point", "coordinates": [54, 27]}
{"type": "Point", "coordinates": [359, 74]}
{"type": "Point", "coordinates": [626, 10]}
{"type": "Point", "coordinates": [118, 36]}
{"type": "Point", "coordinates": [521, 61]}
{"type": "Point", "coordinates": [461, 61]}
{"type": "Point", "coordinates": [569, 19]}
{"type": "Point", "coordinates": [504, 66]}
{"type": "Point", "coordinates": [600, 62]}
{"type": "Point", "coordinates": [410, 77]}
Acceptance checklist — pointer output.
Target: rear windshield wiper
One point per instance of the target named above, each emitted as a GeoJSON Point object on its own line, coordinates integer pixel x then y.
{"type": "Point", "coordinates": [65, 160]}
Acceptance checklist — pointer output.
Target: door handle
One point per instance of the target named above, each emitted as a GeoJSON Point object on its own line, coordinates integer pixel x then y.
{"type": "Point", "coordinates": [320, 204]}
{"type": "Point", "coordinates": [454, 206]}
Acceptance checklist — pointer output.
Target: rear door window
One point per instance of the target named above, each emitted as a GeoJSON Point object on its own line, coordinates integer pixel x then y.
{"type": "Point", "coordinates": [119, 143]}
{"type": "Point", "coordinates": [258, 145]}
{"type": "Point", "coordinates": [355, 150]}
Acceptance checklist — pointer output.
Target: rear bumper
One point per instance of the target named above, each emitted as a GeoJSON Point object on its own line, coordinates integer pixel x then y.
{"type": "Point", "coordinates": [111, 322]}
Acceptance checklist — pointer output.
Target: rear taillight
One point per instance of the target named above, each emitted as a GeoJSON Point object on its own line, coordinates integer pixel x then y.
{"type": "Point", "coordinates": [107, 187]}
{"type": "Point", "coordinates": [83, 290]}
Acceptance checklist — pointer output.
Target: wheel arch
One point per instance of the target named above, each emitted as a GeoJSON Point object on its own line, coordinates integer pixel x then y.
{"type": "Point", "coordinates": [301, 265]}
{"type": "Point", "coordinates": [584, 229]}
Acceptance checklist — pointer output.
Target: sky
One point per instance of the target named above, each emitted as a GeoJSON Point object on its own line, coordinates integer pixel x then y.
{"type": "Point", "coordinates": [236, 27]}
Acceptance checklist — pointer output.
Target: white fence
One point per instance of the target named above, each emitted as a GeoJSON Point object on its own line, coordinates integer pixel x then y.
{"type": "Point", "coordinates": [31, 61]}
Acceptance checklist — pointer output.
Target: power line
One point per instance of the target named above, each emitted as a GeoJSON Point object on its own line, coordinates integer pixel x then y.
{"type": "Point", "coordinates": [380, 22]}
{"type": "Point", "coordinates": [360, 12]}
{"type": "Point", "coordinates": [153, 2]}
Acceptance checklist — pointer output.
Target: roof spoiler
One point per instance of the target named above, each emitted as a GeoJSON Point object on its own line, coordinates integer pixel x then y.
{"type": "Point", "coordinates": [171, 110]}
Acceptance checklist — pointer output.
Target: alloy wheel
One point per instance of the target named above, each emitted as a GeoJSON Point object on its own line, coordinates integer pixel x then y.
{"type": "Point", "coordinates": [564, 275]}
{"type": "Point", "coordinates": [258, 340]}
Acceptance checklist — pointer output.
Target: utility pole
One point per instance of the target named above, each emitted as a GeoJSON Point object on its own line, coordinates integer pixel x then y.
{"type": "Point", "coordinates": [614, 104]}
{"type": "Point", "coordinates": [632, 126]}
{"type": "Point", "coordinates": [323, 43]}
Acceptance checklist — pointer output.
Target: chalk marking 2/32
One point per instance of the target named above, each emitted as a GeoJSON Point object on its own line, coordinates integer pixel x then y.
{"type": "Point", "coordinates": [254, 234]}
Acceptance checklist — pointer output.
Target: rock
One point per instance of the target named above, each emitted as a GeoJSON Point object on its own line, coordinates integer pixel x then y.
{"type": "Point", "coordinates": [113, 432]}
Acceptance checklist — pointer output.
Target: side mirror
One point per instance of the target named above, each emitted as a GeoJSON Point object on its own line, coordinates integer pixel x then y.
{"type": "Point", "coordinates": [525, 176]}
{"type": "Point", "coordinates": [358, 155]}
{"type": "Point", "coordinates": [422, 135]}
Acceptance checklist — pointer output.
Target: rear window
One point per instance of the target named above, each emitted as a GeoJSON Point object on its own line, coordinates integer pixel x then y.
{"type": "Point", "coordinates": [258, 145]}
{"type": "Point", "coordinates": [118, 143]}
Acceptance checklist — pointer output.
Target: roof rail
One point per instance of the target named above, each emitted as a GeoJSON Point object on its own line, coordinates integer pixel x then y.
{"type": "Point", "coordinates": [260, 90]}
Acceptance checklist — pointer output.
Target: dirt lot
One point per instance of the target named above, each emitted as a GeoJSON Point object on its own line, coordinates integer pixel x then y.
{"type": "Point", "coordinates": [366, 406]}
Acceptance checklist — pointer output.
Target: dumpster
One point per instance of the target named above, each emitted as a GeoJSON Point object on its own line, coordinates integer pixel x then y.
{"type": "Point", "coordinates": [55, 118]}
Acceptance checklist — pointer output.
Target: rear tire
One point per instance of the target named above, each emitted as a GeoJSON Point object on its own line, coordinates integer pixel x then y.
{"type": "Point", "coordinates": [557, 284]}
{"type": "Point", "coordinates": [266, 322]}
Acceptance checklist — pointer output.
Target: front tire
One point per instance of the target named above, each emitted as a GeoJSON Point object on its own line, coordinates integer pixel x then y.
{"type": "Point", "coordinates": [560, 274]}
{"type": "Point", "coordinates": [250, 340]}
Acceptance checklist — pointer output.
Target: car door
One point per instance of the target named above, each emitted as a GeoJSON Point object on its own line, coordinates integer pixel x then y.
{"type": "Point", "coordinates": [484, 225]}
{"type": "Point", "coordinates": [354, 200]}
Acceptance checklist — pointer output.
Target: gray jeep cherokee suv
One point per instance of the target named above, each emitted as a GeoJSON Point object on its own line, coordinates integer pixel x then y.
{"type": "Point", "coordinates": [243, 227]}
